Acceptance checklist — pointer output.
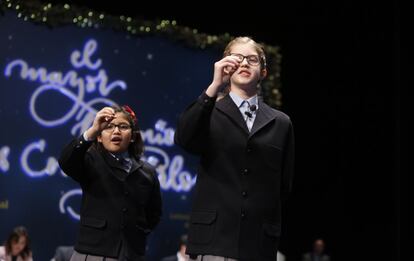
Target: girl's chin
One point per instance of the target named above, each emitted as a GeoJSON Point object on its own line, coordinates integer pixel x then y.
{"type": "Point", "coordinates": [116, 149]}
{"type": "Point", "coordinates": [245, 85]}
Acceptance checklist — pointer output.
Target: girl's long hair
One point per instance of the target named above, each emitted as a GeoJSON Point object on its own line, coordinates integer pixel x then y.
{"type": "Point", "coordinates": [14, 237]}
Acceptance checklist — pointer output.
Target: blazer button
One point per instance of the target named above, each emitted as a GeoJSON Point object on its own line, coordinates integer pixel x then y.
{"type": "Point", "coordinates": [243, 215]}
{"type": "Point", "coordinates": [124, 210]}
{"type": "Point", "coordinates": [244, 194]}
{"type": "Point", "coordinates": [245, 171]}
{"type": "Point", "coordinates": [126, 193]}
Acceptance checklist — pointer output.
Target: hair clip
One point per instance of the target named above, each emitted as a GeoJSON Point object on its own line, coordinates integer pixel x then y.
{"type": "Point", "coordinates": [130, 111]}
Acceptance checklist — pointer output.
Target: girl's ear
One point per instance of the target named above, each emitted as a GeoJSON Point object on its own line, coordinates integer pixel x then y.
{"type": "Point", "coordinates": [263, 73]}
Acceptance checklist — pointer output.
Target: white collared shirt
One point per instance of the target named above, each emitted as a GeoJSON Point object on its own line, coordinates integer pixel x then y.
{"type": "Point", "coordinates": [241, 104]}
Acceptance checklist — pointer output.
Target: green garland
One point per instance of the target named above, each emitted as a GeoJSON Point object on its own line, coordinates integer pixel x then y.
{"type": "Point", "coordinates": [64, 14]}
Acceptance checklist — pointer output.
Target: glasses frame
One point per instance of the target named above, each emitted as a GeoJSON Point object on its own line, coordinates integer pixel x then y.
{"type": "Point", "coordinates": [247, 57]}
{"type": "Point", "coordinates": [111, 127]}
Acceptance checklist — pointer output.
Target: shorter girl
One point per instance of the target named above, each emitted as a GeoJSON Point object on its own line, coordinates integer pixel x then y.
{"type": "Point", "coordinates": [121, 198]}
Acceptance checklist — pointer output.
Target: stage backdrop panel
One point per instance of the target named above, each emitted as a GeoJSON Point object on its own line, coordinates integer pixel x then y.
{"type": "Point", "coordinates": [52, 83]}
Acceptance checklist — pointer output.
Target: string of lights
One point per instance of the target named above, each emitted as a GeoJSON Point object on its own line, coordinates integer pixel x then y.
{"type": "Point", "coordinates": [54, 15]}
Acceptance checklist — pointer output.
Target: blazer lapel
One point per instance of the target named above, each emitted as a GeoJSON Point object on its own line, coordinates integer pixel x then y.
{"type": "Point", "coordinates": [136, 164]}
{"type": "Point", "coordinates": [228, 107]}
{"type": "Point", "coordinates": [112, 161]}
{"type": "Point", "coordinates": [115, 166]}
{"type": "Point", "coordinates": [264, 115]}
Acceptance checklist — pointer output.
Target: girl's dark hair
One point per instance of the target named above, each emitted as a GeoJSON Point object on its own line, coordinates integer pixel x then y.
{"type": "Point", "coordinates": [136, 147]}
{"type": "Point", "coordinates": [14, 237]}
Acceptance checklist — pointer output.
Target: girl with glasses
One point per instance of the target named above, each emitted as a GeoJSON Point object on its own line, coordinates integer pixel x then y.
{"type": "Point", "coordinates": [246, 161]}
{"type": "Point", "coordinates": [121, 199]}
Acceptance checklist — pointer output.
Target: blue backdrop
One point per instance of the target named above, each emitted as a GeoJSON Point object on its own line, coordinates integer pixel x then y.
{"type": "Point", "coordinates": [52, 82]}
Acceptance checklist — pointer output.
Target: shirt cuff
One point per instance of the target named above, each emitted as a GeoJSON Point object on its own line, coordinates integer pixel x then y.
{"type": "Point", "coordinates": [85, 137]}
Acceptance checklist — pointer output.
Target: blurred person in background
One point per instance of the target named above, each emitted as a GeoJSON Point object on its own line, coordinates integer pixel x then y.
{"type": "Point", "coordinates": [17, 246]}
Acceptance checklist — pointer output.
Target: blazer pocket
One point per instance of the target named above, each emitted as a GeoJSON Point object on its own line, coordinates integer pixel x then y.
{"type": "Point", "coordinates": [269, 241]}
{"type": "Point", "coordinates": [145, 231]}
{"type": "Point", "coordinates": [93, 222]}
{"type": "Point", "coordinates": [92, 231]}
{"type": "Point", "coordinates": [202, 226]}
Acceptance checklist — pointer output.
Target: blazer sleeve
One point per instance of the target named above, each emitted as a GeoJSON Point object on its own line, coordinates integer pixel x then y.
{"type": "Point", "coordinates": [193, 124]}
{"type": "Point", "coordinates": [154, 206]}
{"type": "Point", "coordinates": [288, 163]}
{"type": "Point", "coordinates": [72, 158]}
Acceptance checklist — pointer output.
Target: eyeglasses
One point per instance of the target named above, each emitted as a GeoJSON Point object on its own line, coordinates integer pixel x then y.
{"type": "Point", "coordinates": [251, 59]}
{"type": "Point", "coordinates": [121, 127]}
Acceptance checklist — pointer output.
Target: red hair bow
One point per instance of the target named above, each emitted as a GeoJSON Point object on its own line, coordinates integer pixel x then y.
{"type": "Point", "coordinates": [130, 111]}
